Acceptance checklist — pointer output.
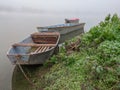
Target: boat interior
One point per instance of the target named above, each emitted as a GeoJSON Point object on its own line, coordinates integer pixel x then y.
{"type": "Point", "coordinates": [36, 43]}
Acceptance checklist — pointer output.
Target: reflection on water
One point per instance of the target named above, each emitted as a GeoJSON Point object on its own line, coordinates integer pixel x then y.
{"type": "Point", "coordinates": [32, 72]}
{"type": "Point", "coordinates": [19, 82]}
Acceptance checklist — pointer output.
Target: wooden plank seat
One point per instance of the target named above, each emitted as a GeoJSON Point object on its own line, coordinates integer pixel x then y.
{"type": "Point", "coordinates": [32, 45]}
{"type": "Point", "coordinates": [44, 39]}
{"type": "Point", "coordinates": [43, 36]}
{"type": "Point", "coordinates": [50, 39]}
{"type": "Point", "coordinates": [44, 42]}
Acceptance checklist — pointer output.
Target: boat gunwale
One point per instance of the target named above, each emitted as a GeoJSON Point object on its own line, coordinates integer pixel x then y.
{"type": "Point", "coordinates": [55, 26]}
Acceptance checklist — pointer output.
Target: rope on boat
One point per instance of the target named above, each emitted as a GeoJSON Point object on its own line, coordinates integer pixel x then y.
{"type": "Point", "coordinates": [27, 78]}
{"type": "Point", "coordinates": [25, 74]}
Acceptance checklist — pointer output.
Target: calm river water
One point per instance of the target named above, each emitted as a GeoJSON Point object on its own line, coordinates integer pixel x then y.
{"type": "Point", "coordinates": [15, 27]}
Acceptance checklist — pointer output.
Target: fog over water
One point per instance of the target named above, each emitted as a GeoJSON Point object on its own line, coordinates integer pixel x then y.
{"type": "Point", "coordinates": [19, 18]}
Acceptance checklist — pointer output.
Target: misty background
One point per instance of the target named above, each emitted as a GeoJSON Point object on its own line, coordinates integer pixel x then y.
{"type": "Point", "coordinates": [19, 18]}
{"type": "Point", "coordinates": [39, 6]}
{"type": "Point", "coordinates": [89, 11]}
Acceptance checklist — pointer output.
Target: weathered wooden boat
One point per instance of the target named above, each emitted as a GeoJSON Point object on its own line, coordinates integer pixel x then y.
{"type": "Point", "coordinates": [70, 29]}
{"type": "Point", "coordinates": [35, 49]}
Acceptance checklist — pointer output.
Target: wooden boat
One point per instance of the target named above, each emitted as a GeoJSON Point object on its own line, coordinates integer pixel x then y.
{"type": "Point", "coordinates": [70, 29]}
{"type": "Point", "coordinates": [35, 49]}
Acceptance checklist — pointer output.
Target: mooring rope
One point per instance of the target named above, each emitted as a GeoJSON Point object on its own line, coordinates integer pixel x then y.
{"type": "Point", "coordinates": [27, 78]}
{"type": "Point", "coordinates": [25, 74]}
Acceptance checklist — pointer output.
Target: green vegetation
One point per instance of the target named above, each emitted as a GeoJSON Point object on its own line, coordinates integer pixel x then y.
{"type": "Point", "coordinates": [88, 62]}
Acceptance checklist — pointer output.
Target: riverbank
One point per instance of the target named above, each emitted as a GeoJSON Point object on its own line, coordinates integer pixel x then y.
{"type": "Point", "coordinates": [90, 61]}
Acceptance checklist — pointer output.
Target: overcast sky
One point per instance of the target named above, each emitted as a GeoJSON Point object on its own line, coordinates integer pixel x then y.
{"type": "Point", "coordinates": [63, 5]}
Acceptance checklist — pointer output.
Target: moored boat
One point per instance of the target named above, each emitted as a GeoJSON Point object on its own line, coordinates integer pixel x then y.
{"type": "Point", "coordinates": [35, 49]}
{"type": "Point", "coordinates": [70, 29]}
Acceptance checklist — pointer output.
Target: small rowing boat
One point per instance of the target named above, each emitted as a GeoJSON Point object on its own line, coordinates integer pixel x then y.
{"type": "Point", "coordinates": [35, 49]}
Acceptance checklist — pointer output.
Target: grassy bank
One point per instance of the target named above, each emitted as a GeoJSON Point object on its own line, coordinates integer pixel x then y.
{"type": "Point", "coordinates": [88, 62]}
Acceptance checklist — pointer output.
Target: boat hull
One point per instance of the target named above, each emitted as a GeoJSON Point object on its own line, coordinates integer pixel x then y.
{"type": "Point", "coordinates": [32, 59]}
{"type": "Point", "coordinates": [29, 55]}
{"type": "Point", "coordinates": [67, 31]}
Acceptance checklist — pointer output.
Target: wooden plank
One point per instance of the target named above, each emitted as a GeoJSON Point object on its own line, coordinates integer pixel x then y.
{"type": "Point", "coordinates": [44, 42]}
{"type": "Point", "coordinates": [45, 36]}
{"type": "Point", "coordinates": [44, 49]}
{"type": "Point", "coordinates": [47, 48]}
{"type": "Point", "coordinates": [32, 45]}
{"type": "Point", "coordinates": [37, 50]}
{"type": "Point", "coordinates": [41, 49]}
